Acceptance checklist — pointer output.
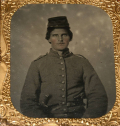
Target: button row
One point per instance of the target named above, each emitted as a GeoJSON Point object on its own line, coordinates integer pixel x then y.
{"type": "Point", "coordinates": [63, 82]}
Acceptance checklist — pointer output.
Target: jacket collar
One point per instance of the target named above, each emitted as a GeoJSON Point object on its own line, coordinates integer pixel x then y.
{"type": "Point", "coordinates": [65, 53]}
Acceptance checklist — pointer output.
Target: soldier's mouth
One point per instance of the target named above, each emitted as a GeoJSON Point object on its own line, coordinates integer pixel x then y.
{"type": "Point", "coordinates": [61, 43]}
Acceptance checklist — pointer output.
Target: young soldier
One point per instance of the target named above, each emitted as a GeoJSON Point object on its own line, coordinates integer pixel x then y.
{"type": "Point", "coordinates": [58, 82]}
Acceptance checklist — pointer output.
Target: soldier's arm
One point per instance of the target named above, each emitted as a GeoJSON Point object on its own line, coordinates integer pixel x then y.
{"type": "Point", "coordinates": [95, 92]}
{"type": "Point", "coordinates": [29, 102]}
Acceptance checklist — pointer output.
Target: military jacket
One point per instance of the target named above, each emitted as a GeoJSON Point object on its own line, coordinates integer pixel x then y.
{"type": "Point", "coordinates": [55, 86]}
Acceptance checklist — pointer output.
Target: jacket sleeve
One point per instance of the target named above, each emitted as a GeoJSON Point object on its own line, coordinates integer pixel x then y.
{"type": "Point", "coordinates": [29, 102]}
{"type": "Point", "coordinates": [95, 92]}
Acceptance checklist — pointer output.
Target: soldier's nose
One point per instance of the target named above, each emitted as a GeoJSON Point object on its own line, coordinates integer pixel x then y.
{"type": "Point", "coordinates": [60, 38]}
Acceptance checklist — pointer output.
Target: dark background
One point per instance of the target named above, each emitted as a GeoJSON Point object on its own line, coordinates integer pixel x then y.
{"type": "Point", "coordinates": [92, 38]}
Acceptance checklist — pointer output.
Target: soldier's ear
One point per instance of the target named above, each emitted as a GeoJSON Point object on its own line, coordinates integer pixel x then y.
{"type": "Point", "coordinates": [49, 41]}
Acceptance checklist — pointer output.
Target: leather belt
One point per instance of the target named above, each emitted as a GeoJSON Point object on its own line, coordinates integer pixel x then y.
{"type": "Point", "coordinates": [69, 104]}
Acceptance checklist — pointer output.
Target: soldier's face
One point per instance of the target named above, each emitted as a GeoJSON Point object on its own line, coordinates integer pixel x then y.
{"type": "Point", "coordinates": [59, 39]}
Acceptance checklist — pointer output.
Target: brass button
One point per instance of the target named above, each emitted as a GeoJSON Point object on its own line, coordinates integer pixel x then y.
{"type": "Point", "coordinates": [60, 57]}
{"type": "Point", "coordinates": [63, 82]}
{"type": "Point", "coordinates": [63, 96]}
{"type": "Point", "coordinates": [63, 89]}
{"type": "Point", "coordinates": [68, 104]}
{"type": "Point", "coordinates": [63, 75]}
{"type": "Point", "coordinates": [61, 63]}
{"type": "Point", "coordinates": [62, 68]}
{"type": "Point", "coordinates": [64, 109]}
{"type": "Point", "coordinates": [63, 103]}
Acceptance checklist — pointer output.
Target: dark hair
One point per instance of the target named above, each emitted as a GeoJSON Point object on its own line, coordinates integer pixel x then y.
{"type": "Point", "coordinates": [49, 30]}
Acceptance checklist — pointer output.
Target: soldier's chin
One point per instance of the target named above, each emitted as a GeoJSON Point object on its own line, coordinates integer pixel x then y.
{"type": "Point", "coordinates": [61, 49]}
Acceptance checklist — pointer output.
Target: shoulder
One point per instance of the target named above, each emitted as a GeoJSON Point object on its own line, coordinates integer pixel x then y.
{"type": "Point", "coordinates": [40, 57]}
{"type": "Point", "coordinates": [39, 60]}
{"type": "Point", "coordinates": [85, 62]}
{"type": "Point", "coordinates": [81, 59]}
{"type": "Point", "coordinates": [80, 56]}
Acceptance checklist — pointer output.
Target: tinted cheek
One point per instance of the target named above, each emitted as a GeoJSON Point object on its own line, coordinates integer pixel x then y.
{"type": "Point", "coordinates": [54, 40]}
{"type": "Point", "coordinates": [67, 40]}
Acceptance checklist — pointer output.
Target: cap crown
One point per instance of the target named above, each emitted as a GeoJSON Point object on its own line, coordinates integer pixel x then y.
{"type": "Point", "coordinates": [58, 22]}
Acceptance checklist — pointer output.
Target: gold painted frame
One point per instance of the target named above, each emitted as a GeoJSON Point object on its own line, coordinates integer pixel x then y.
{"type": "Point", "coordinates": [8, 114]}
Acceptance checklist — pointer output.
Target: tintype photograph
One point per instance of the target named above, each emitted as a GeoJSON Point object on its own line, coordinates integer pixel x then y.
{"type": "Point", "coordinates": [62, 61]}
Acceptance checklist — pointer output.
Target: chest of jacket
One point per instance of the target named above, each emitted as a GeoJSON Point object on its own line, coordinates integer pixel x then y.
{"type": "Point", "coordinates": [61, 78]}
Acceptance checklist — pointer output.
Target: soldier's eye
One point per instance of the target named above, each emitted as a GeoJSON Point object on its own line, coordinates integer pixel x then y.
{"type": "Point", "coordinates": [65, 35]}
